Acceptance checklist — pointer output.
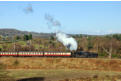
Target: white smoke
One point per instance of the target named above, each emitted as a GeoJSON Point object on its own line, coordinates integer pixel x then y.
{"type": "Point", "coordinates": [67, 41]}
{"type": "Point", "coordinates": [52, 21]}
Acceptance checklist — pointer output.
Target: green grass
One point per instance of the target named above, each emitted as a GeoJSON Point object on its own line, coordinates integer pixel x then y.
{"type": "Point", "coordinates": [22, 42]}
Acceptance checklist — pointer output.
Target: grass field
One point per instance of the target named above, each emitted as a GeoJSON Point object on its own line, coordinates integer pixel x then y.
{"type": "Point", "coordinates": [65, 75]}
{"type": "Point", "coordinates": [61, 69]}
{"type": "Point", "coordinates": [62, 63]}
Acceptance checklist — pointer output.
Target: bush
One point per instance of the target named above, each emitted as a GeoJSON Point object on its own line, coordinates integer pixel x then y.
{"type": "Point", "coordinates": [102, 55]}
{"type": "Point", "coordinates": [115, 56]}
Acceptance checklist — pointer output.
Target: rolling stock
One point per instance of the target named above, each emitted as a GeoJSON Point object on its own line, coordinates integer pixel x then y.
{"type": "Point", "coordinates": [51, 54]}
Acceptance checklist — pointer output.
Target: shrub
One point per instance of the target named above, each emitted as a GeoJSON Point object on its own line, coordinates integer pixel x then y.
{"type": "Point", "coordinates": [115, 56]}
{"type": "Point", "coordinates": [102, 55]}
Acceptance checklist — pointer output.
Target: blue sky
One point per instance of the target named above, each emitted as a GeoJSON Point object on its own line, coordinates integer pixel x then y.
{"type": "Point", "coordinates": [76, 17]}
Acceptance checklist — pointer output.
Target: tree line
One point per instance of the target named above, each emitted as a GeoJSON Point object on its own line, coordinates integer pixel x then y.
{"type": "Point", "coordinates": [105, 45]}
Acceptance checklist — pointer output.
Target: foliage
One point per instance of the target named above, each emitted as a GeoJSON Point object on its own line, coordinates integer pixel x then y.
{"type": "Point", "coordinates": [117, 36]}
{"type": "Point", "coordinates": [26, 37]}
{"type": "Point", "coordinates": [116, 56]}
{"type": "Point", "coordinates": [52, 38]}
{"type": "Point", "coordinates": [18, 37]}
{"type": "Point", "coordinates": [30, 36]}
{"type": "Point", "coordinates": [85, 43]}
{"type": "Point", "coordinates": [102, 55]}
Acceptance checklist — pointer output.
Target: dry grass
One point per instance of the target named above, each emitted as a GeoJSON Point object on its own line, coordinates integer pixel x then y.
{"type": "Point", "coordinates": [61, 63]}
{"type": "Point", "coordinates": [61, 69]}
{"type": "Point", "coordinates": [66, 75]}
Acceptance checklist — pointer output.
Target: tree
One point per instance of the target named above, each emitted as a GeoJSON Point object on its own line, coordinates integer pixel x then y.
{"type": "Point", "coordinates": [117, 36]}
{"type": "Point", "coordinates": [30, 36]}
{"type": "Point", "coordinates": [30, 42]}
{"type": "Point", "coordinates": [26, 37]}
{"type": "Point", "coordinates": [89, 46]}
{"type": "Point", "coordinates": [1, 37]}
{"type": "Point", "coordinates": [18, 37]}
{"type": "Point", "coordinates": [108, 47]}
{"type": "Point", "coordinates": [84, 44]}
{"type": "Point", "coordinates": [52, 38]}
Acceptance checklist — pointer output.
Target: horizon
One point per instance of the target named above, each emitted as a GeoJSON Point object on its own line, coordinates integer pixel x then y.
{"type": "Point", "coordinates": [73, 17]}
{"type": "Point", "coordinates": [54, 32]}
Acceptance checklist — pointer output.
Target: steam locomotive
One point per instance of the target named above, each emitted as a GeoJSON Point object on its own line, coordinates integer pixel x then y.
{"type": "Point", "coordinates": [78, 54]}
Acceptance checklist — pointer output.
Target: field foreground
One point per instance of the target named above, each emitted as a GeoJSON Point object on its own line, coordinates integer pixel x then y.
{"type": "Point", "coordinates": [62, 75]}
{"type": "Point", "coordinates": [61, 69]}
{"type": "Point", "coordinates": [62, 63]}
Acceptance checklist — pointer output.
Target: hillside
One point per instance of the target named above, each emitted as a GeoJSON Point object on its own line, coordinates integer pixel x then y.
{"type": "Point", "coordinates": [13, 32]}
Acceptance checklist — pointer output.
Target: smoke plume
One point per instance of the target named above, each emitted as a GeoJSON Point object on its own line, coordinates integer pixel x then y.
{"type": "Point", "coordinates": [67, 41]}
{"type": "Point", "coordinates": [51, 21]}
{"type": "Point", "coordinates": [29, 9]}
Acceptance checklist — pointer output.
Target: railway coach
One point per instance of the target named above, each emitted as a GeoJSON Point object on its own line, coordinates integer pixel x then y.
{"type": "Point", "coordinates": [77, 54]}
{"type": "Point", "coordinates": [30, 54]}
{"type": "Point", "coordinates": [8, 53]}
{"type": "Point", "coordinates": [57, 54]}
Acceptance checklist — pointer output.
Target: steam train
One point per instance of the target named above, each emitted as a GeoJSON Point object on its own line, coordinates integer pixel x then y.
{"type": "Point", "coordinates": [78, 54]}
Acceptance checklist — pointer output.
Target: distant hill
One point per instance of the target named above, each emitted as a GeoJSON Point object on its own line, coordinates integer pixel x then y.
{"type": "Point", "coordinates": [15, 32]}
